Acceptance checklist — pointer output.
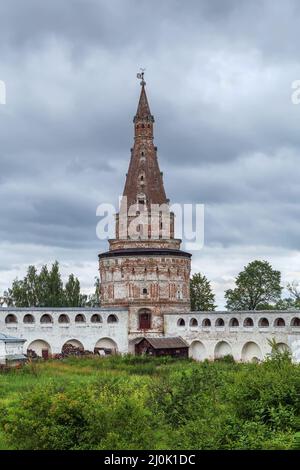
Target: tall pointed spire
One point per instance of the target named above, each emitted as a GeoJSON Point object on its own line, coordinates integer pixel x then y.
{"type": "Point", "coordinates": [144, 179]}
{"type": "Point", "coordinates": [143, 110]}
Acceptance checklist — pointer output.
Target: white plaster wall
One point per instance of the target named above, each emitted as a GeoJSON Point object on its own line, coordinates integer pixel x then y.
{"type": "Point", "coordinates": [236, 337]}
{"type": "Point", "coordinates": [57, 334]}
{"type": "Point", "coordinates": [89, 334]}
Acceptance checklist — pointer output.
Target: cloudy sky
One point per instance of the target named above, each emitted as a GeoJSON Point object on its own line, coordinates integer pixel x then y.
{"type": "Point", "coordinates": [219, 80]}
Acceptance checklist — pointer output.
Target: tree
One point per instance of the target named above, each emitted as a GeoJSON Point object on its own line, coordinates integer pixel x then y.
{"type": "Point", "coordinates": [93, 300]}
{"type": "Point", "coordinates": [44, 289]}
{"type": "Point", "coordinates": [16, 295]}
{"type": "Point", "coordinates": [202, 297]}
{"type": "Point", "coordinates": [24, 293]}
{"type": "Point", "coordinates": [72, 292]}
{"type": "Point", "coordinates": [294, 294]}
{"type": "Point", "coordinates": [285, 304]}
{"type": "Point", "coordinates": [55, 287]}
{"type": "Point", "coordinates": [257, 288]}
{"type": "Point", "coordinates": [291, 302]}
{"type": "Point", "coordinates": [31, 286]}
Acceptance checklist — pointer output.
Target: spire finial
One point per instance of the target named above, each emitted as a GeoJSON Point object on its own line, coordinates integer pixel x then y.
{"type": "Point", "coordinates": [141, 76]}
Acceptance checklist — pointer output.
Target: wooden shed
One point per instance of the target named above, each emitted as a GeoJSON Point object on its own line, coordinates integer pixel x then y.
{"type": "Point", "coordinates": [174, 346]}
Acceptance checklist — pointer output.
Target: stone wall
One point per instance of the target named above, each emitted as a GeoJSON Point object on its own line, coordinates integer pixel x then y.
{"type": "Point", "coordinates": [210, 335]}
{"type": "Point", "coordinates": [244, 335]}
{"type": "Point", "coordinates": [96, 328]}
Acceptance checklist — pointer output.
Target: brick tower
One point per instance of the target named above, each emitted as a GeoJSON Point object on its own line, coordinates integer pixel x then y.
{"type": "Point", "coordinates": [144, 269]}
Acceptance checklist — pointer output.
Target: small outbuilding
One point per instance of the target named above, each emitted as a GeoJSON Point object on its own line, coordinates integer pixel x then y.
{"type": "Point", "coordinates": [11, 350]}
{"type": "Point", "coordinates": [173, 346]}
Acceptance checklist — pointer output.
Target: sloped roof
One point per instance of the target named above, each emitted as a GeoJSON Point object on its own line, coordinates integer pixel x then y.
{"type": "Point", "coordinates": [146, 252]}
{"type": "Point", "coordinates": [143, 109]}
{"type": "Point", "coordinates": [152, 189]}
{"type": "Point", "coordinates": [15, 357]}
{"type": "Point", "coordinates": [10, 339]}
{"type": "Point", "coordinates": [175, 342]}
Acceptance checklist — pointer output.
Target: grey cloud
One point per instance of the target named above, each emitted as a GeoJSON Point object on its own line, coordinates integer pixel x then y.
{"type": "Point", "coordinates": [218, 78]}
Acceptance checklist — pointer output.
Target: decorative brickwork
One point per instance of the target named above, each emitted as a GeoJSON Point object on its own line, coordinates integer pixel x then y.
{"type": "Point", "coordinates": [148, 274]}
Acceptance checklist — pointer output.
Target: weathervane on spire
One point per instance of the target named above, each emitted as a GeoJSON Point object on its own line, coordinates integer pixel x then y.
{"type": "Point", "coordinates": [141, 76]}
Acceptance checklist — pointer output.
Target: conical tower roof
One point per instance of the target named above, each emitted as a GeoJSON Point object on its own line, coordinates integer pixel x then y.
{"type": "Point", "coordinates": [144, 178]}
{"type": "Point", "coordinates": [143, 109]}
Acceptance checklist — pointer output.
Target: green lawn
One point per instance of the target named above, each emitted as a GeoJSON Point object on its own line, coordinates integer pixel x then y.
{"type": "Point", "coordinates": [136, 402]}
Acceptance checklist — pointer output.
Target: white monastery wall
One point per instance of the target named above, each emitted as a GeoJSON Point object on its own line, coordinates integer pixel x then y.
{"type": "Point", "coordinates": [244, 335]}
{"type": "Point", "coordinates": [96, 328]}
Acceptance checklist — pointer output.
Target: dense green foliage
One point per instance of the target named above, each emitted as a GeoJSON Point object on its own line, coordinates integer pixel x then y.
{"type": "Point", "coordinates": [136, 402]}
{"type": "Point", "coordinates": [202, 296]}
{"type": "Point", "coordinates": [293, 301]}
{"type": "Point", "coordinates": [257, 288]}
{"type": "Point", "coordinates": [46, 289]}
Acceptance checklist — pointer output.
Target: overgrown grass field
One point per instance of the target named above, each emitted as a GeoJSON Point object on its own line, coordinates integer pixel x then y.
{"type": "Point", "coordinates": [136, 402]}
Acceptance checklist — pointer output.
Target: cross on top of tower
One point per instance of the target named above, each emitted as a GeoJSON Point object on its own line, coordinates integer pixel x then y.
{"type": "Point", "coordinates": [140, 76]}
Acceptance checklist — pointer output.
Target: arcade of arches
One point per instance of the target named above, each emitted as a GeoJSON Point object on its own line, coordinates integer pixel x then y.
{"type": "Point", "coordinates": [250, 352]}
{"type": "Point", "coordinates": [43, 349]}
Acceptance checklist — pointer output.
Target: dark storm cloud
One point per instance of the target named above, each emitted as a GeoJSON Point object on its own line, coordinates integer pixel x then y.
{"type": "Point", "coordinates": [219, 77]}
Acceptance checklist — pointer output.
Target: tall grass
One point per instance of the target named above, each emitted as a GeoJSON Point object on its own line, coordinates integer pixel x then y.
{"type": "Point", "coordinates": [102, 403]}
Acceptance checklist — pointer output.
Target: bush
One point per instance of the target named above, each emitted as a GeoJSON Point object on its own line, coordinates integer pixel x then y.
{"type": "Point", "coordinates": [228, 358]}
{"type": "Point", "coordinates": [71, 419]}
{"type": "Point", "coordinates": [151, 403]}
